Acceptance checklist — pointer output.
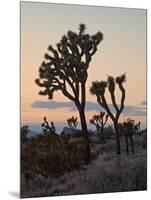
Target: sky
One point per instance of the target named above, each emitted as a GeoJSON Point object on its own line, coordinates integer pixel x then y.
{"type": "Point", "coordinates": [123, 50]}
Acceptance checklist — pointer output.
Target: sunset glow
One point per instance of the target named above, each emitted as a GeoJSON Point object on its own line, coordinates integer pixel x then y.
{"type": "Point", "coordinates": [123, 50]}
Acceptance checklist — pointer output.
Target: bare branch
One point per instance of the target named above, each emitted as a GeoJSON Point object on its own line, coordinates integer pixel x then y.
{"type": "Point", "coordinates": [122, 99]}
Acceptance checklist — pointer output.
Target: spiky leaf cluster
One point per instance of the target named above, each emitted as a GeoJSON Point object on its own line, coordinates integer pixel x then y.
{"type": "Point", "coordinates": [72, 122]}
{"type": "Point", "coordinates": [121, 79]}
{"type": "Point", "coordinates": [98, 88]}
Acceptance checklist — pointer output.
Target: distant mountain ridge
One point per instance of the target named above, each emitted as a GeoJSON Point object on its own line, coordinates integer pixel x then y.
{"type": "Point", "coordinates": [35, 128]}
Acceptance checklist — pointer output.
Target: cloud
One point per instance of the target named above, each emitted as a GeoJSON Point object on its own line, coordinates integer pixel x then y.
{"type": "Point", "coordinates": [134, 111]}
{"type": "Point", "coordinates": [90, 106]}
{"type": "Point", "coordinates": [70, 105]}
{"type": "Point", "coordinates": [53, 104]}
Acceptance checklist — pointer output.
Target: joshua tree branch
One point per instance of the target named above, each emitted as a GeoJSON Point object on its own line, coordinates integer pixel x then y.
{"type": "Point", "coordinates": [94, 50]}
{"type": "Point", "coordinates": [67, 94]}
{"type": "Point", "coordinates": [114, 101]}
{"type": "Point", "coordinates": [64, 77]}
{"type": "Point", "coordinates": [123, 97]}
{"type": "Point", "coordinates": [100, 101]}
{"type": "Point", "coordinates": [74, 49]}
{"type": "Point", "coordinates": [105, 106]}
{"type": "Point", "coordinates": [105, 120]}
{"type": "Point", "coordinates": [77, 89]}
{"type": "Point", "coordinates": [122, 100]}
{"type": "Point", "coordinates": [46, 123]}
{"type": "Point", "coordinates": [88, 59]}
{"type": "Point", "coordinates": [83, 95]}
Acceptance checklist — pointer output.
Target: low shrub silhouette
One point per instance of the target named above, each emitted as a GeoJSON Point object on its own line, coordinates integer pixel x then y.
{"type": "Point", "coordinates": [50, 155]}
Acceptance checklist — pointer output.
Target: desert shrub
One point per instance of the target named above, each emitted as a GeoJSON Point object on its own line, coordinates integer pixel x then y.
{"type": "Point", "coordinates": [78, 133]}
{"type": "Point", "coordinates": [141, 141]}
{"type": "Point", "coordinates": [38, 159]}
{"type": "Point", "coordinates": [108, 132]}
{"type": "Point", "coordinates": [94, 139]}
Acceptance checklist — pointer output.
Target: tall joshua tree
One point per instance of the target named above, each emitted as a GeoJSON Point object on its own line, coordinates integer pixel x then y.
{"type": "Point", "coordinates": [65, 69]}
{"type": "Point", "coordinates": [72, 123]}
{"type": "Point", "coordinates": [99, 88]}
{"type": "Point", "coordinates": [99, 121]}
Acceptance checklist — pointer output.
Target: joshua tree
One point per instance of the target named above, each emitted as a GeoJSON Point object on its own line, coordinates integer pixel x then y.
{"type": "Point", "coordinates": [138, 128]}
{"type": "Point", "coordinates": [129, 129]}
{"type": "Point", "coordinates": [72, 123]}
{"type": "Point", "coordinates": [99, 121]}
{"type": "Point", "coordinates": [99, 88]}
{"type": "Point", "coordinates": [65, 69]}
{"type": "Point", "coordinates": [95, 122]}
{"type": "Point", "coordinates": [49, 132]}
{"type": "Point", "coordinates": [47, 128]}
{"type": "Point", "coordinates": [24, 132]}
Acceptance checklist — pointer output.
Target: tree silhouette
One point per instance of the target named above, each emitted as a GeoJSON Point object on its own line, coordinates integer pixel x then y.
{"type": "Point", "coordinates": [50, 135]}
{"type": "Point", "coordinates": [46, 127]}
{"type": "Point", "coordinates": [129, 129]}
{"type": "Point", "coordinates": [24, 132]}
{"type": "Point", "coordinates": [65, 70]}
{"type": "Point", "coordinates": [99, 121]}
{"type": "Point", "coordinates": [138, 128]}
{"type": "Point", "coordinates": [72, 123]}
{"type": "Point", "coordinates": [99, 88]}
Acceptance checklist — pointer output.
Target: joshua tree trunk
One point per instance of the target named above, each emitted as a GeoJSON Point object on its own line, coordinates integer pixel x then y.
{"type": "Point", "coordinates": [102, 135]}
{"type": "Point", "coordinates": [49, 143]}
{"type": "Point", "coordinates": [85, 134]}
{"type": "Point", "coordinates": [98, 133]}
{"type": "Point", "coordinates": [118, 146]}
{"type": "Point", "coordinates": [97, 130]}
{"type": "Point", "coordinates": [126, 143]}
{"type": "Point", "coordinates": [132, 144]}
